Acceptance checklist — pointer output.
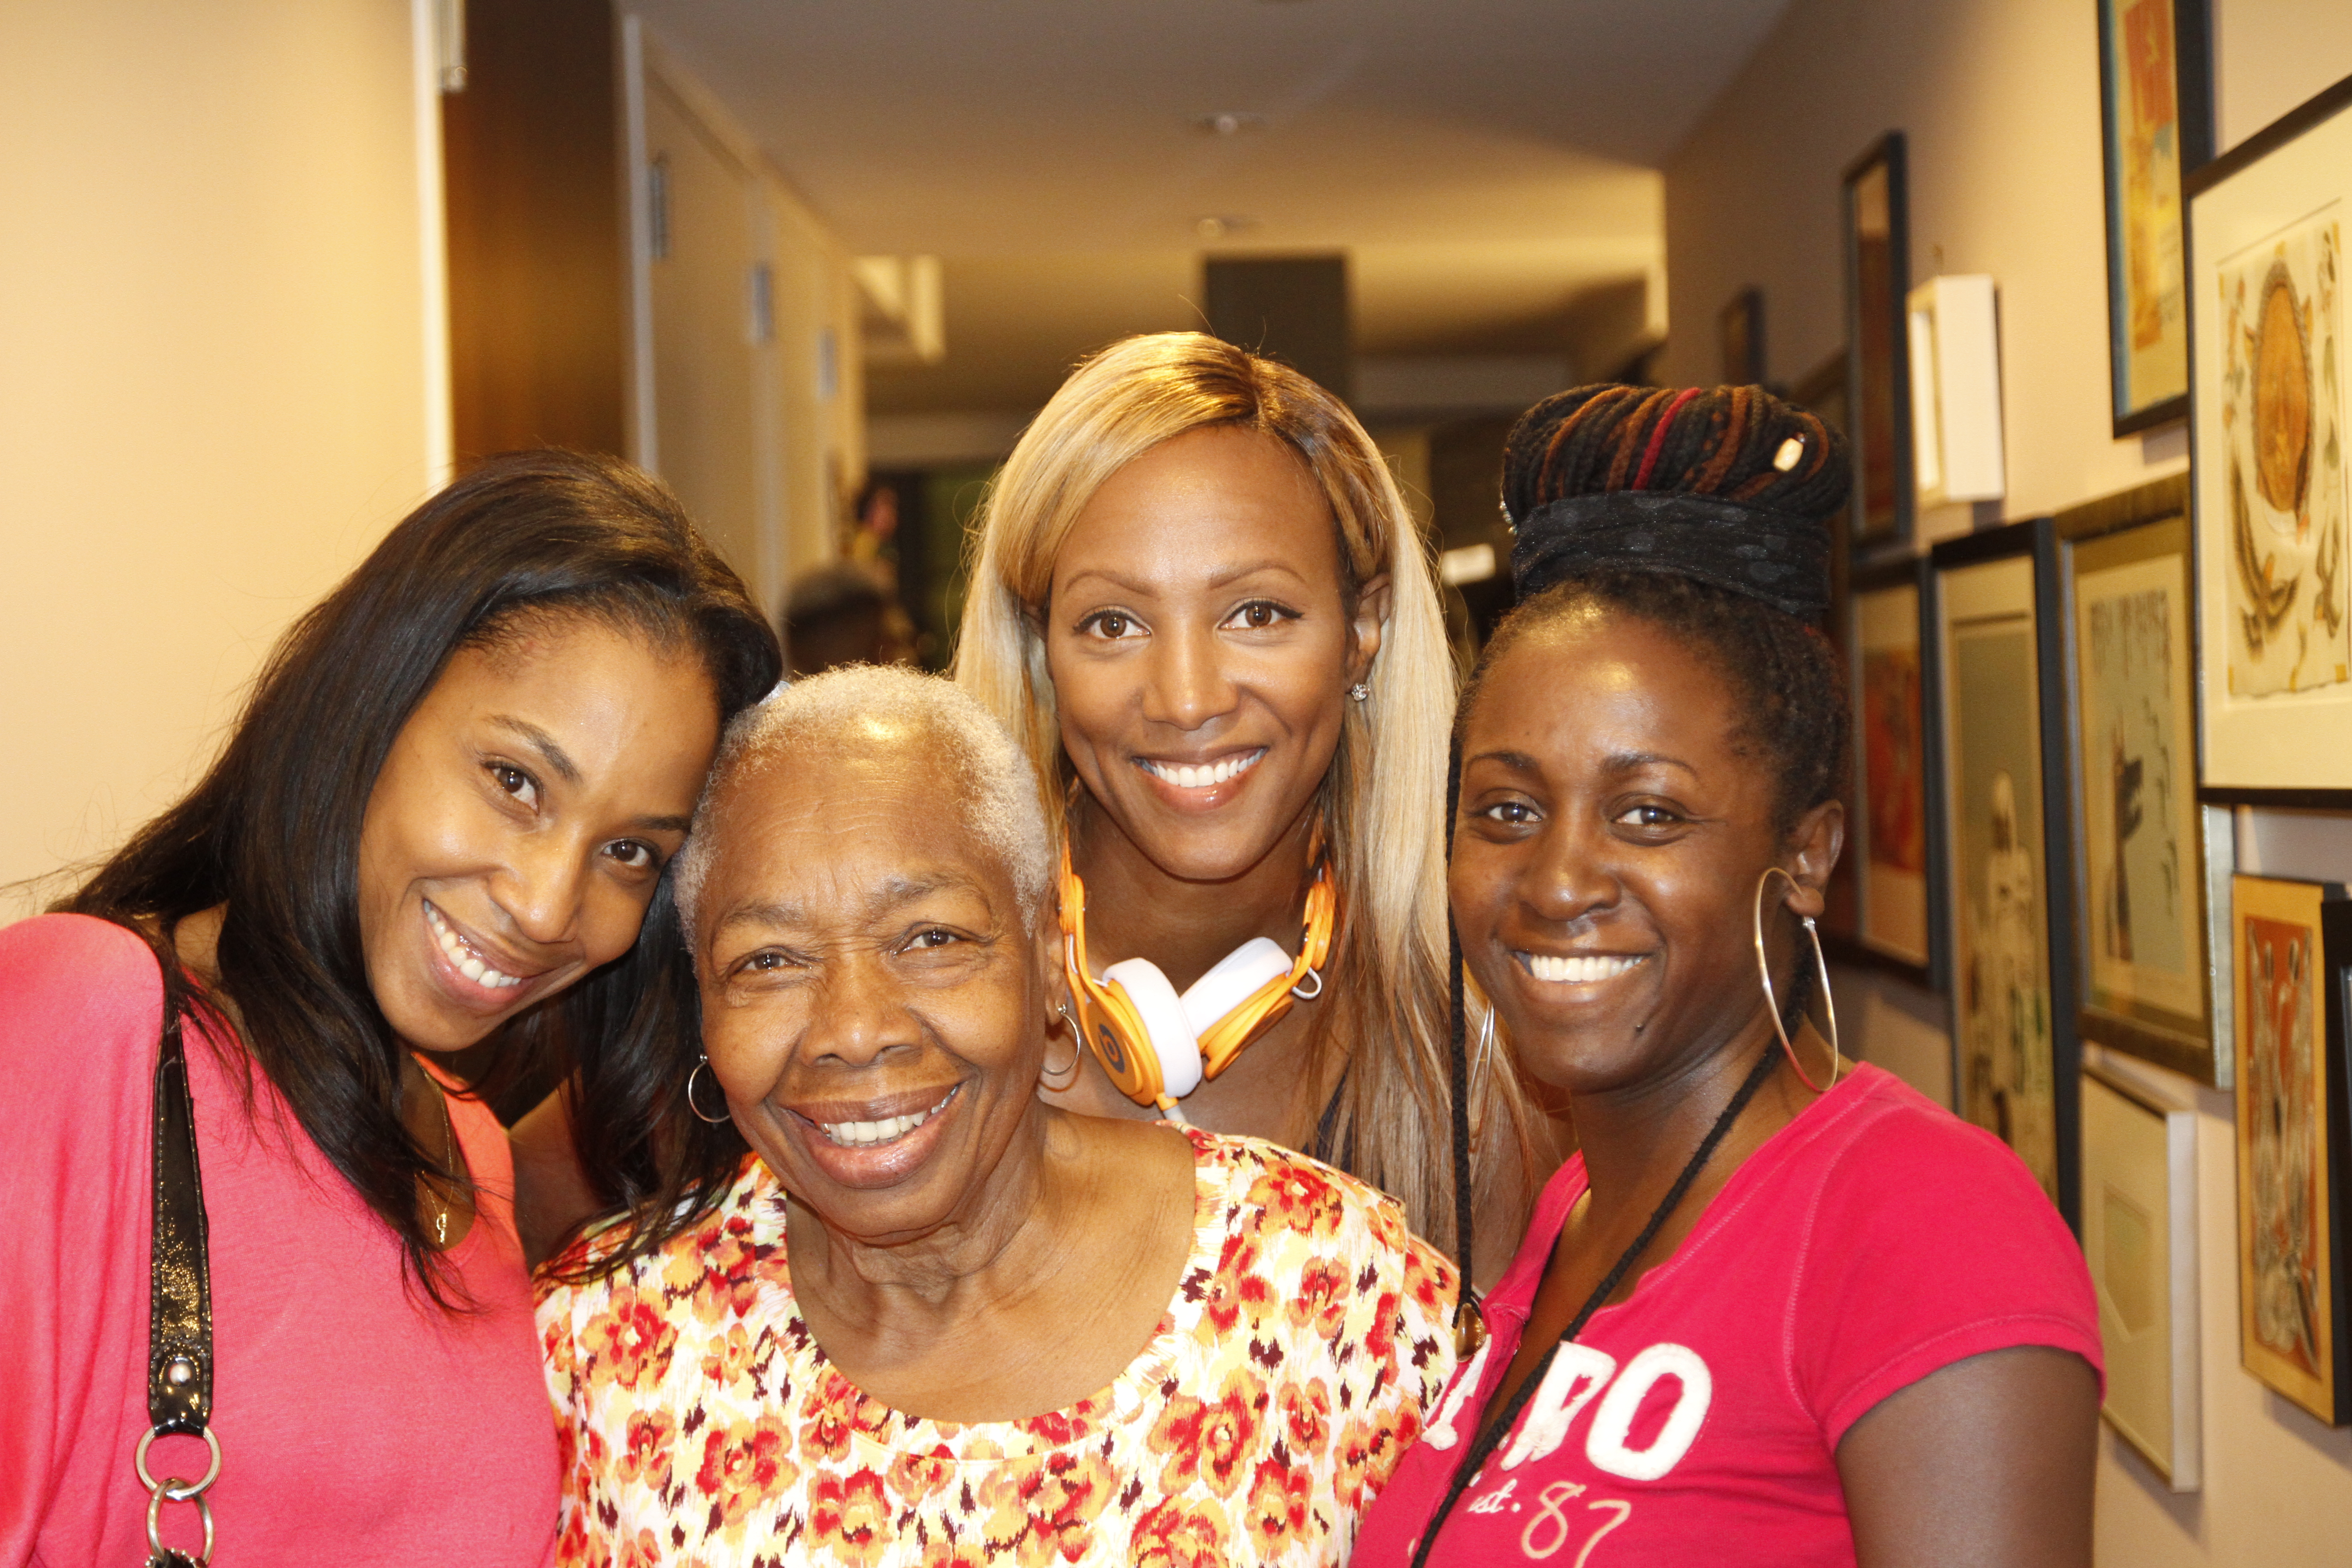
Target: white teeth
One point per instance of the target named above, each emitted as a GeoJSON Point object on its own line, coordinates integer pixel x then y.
{"type": "Point", "coordinates": [866, 1134]}
{"type": "Point", "coordinates": [1578, 971]}
{"type": "Point", "coordinates": [1184, 776]}
{"type": "Point", "coordinates": [468, 963]}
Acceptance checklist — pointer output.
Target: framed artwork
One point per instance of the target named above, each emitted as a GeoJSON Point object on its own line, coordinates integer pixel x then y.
{"type": "Point", "coordinates": [2142, 971]}
{"type": "Point", "coordinates": [2005, 833]}
{"type": "Point", "coordinates": [1877, 283]}
{"type": "Point", "coordinates": [2289, 957]}
{"type": "Point", "coordinates": [2155, 97]}
{"type": "Point", "coordinates": [1889, 830]}
{"type": "Point", "coordinates": [1740, 327]}
{"type": "Point", "coordinates": [2140, 1237]}
{"type": "Point", "coordinates": [2266, 315]}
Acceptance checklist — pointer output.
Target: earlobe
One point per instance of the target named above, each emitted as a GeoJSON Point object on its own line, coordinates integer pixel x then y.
{"type": "Point", "coordinates": [1814, 846]}
{"type": "Point", "coordinates": [1372, 605]}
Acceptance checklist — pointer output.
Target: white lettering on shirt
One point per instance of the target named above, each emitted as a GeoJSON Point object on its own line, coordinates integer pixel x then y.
{"type": "Point", "coordinates": [1493, 1502]}
{"type": "Point", "coordinates": [1439, 1434]}
{"type": "Point", "coordinates": [1577, 1374]}
{"type": "Point", "coordinates": [1605, 1444]}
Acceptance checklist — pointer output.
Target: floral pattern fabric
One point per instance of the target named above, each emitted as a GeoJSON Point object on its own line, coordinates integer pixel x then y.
{"type": "Point", "coordinates": [1307, 1341]}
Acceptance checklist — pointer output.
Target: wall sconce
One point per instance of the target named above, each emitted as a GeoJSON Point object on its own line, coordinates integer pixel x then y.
{"type": "Point", "coordinates": [1956, 391]}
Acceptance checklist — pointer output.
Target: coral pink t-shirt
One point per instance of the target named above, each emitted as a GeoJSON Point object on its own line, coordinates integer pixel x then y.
{"type": "Point", "coordinates": [358, 1422]}
{"type": "Point", "coordinates": [1872, 1241]}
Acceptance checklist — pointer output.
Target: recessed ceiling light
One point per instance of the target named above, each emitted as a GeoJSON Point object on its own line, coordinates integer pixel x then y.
{"type": "Point", "coordinates": [1229, 121]}
{"type": "Point", "coordinates": [1222, 228]}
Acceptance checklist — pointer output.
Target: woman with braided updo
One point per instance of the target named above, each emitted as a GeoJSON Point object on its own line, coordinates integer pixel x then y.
{"type": "Point", "coordinates": [1780, 1307]}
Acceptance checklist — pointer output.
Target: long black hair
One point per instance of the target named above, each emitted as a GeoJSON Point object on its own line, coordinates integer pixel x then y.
{"type": "Point", "coordinates": [272, 831]}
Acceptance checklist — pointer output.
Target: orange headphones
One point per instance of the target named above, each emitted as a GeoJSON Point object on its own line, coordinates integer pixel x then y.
{"type": "Point", "coordinates": [1158, 1045]}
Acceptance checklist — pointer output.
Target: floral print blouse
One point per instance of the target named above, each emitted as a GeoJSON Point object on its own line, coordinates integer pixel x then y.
{"type": "Point", "coordinates": [700, 1423]}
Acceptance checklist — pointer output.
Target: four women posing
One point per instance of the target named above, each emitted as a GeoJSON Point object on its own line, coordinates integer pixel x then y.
{"type": "Point", "coordinates": [888, 1276]}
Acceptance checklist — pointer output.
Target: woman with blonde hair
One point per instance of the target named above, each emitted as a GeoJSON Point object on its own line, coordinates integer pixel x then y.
{"type": "Point", "coordinates": [1200, 602]}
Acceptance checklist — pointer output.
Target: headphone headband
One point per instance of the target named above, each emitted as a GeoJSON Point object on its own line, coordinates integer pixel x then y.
{"type": "Point", "coordinates": [1115, 1029]}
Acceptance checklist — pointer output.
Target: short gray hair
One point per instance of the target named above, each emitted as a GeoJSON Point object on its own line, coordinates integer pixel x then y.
{"type": "Point", "coordinates": [999, 792]}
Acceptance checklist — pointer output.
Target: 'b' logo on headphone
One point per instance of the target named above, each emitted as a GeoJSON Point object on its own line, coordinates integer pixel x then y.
{"type": "Point", "coordinates": [1110, 1051]}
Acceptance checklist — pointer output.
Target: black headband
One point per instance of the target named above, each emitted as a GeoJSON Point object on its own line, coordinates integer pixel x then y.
{"type": "Point", "coordinates": [1775, 556]}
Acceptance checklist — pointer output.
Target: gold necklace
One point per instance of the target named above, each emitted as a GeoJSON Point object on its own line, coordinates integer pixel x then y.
{"type": "Point", "coordinates": [449, 1157]}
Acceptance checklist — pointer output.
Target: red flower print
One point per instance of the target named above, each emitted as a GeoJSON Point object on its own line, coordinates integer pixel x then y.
{"type": "Point", "coordinates": [744, 1464]}
{"type": "Point", "coordinates": [849, 1517]}
{"type": "Point", "coordinates": [1174, 1535]}
{"type": "Point", "coordinates": [631, 1340]}
{"type": "Point", "coordinates": [652, 1438]}
{"type": "Point", "coordinates": [1300, 1197]}
{"type": "Point", "coordinates": [1306, 1416]}
{"type": "Point", "coordinates": [1324, 1295]}
{"type": "Point", "coordinates": [1212, 1442]}
{"type": "Point", "coordinates": [1276, 1514]}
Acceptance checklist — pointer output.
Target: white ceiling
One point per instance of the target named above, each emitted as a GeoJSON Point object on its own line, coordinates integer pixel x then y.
{"type": "Point", "coordinates": [1484, 162]}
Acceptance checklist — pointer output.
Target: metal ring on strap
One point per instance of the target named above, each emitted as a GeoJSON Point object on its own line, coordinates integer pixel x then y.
{"type": "Point", "coordinates": [155, 1521]}
{"type": "Point", "coordinates": [173, 1487]}
{"type": "Point", "coordinates": [1300, 990]}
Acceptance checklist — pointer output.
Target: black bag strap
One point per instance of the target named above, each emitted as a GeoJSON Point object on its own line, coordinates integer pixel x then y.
{"type": "Point", "coordinates": [179, 1300]}
{"type": "Point", "coordinates": [180, 1290]}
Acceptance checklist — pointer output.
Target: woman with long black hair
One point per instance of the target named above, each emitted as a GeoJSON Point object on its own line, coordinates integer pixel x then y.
{"type": "Point", "coordinates": [1779, 1308]}
{"type": "Point", "coordinates": [444, 816]}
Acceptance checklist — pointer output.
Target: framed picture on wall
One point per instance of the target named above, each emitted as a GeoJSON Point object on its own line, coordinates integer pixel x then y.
{"type": "Point", "coordinates": [2005, 885]}
{"type": "Point", "coordinates": [2290, 951]}
{"type": "Point", "coordinates": [2142, 971]}
{"type": "Point", "coordinates": [1888, 833]}
{"type": "Point", "coordinates": [2140, 1235]}
{"type": "Point", "coordinates": [2266, 225]}
{"type": "Point", "coordinates": [1877, 282]}
{"type": "Point", "coordinates": [2155, 96]}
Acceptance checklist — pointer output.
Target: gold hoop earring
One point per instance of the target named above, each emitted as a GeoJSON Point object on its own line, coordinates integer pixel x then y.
{"type": "Point", "coordinates": [1772, 999]}
{"type": "Point", "coordinates": [1066, 1076]}
{"type": "Point", "coordinates": [694, 1105]}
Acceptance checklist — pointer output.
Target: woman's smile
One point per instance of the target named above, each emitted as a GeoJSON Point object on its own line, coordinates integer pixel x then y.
{"type": "Point", "coordinates": [477, 973]}
{"type": "Point", "coordinates": [1202, 784]}
{"type": "Point", "coordinates": [876, 1142]}
{"type": "Point", "coordinates": [1577, 968]}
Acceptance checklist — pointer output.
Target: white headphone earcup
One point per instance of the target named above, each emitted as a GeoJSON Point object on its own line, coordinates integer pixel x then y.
{"type": "Point", "coordinates": [1163, 1013]}
{"type": "Point", "coordinates": [1238, 976]}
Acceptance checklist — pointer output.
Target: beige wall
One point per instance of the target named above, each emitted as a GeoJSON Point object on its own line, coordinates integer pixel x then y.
{"type": "Point", "coordinates": [1998, 100]}
{"type": "Point", "coordinates": [220, 383]}
{"type": "Point", "coordinates": [755, 441]}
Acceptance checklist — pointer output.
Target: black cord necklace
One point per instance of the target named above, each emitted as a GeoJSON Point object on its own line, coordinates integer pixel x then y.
{"type": "Point", "coordinates": [1499, 1428]}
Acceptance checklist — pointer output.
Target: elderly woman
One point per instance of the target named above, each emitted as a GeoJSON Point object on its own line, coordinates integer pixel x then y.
{"type": "Point", "coordinates": [937, 1318]}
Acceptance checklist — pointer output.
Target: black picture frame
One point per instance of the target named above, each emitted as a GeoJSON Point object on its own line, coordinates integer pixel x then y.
{"type": "Point", "coordinates": [2259, 753]}
{"type": "Point", "coordinates": [1970, 614]}
{"type": "Point", "coordinates": [1889, 934]}
{"type": "Point", "coordinates": [2136, 550]}
{"type": "Point", "coordinates": [1875, 229]}
{"type": "Point", "coordinates": [2139, 72]}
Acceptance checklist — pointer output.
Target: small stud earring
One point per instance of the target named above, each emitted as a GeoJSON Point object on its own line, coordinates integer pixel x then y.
{"type": "Point", "coordinates": [1360, 692]}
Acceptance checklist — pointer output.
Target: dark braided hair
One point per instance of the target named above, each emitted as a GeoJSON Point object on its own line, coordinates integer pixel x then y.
{"type": "Point", "coordinates": [1731, 444]}
{"type": "Point", "coordinates": [1727, 443]}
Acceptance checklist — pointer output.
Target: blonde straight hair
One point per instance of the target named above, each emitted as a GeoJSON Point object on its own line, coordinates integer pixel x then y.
{"type": "Point", "coordinates": [1383, 798]}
